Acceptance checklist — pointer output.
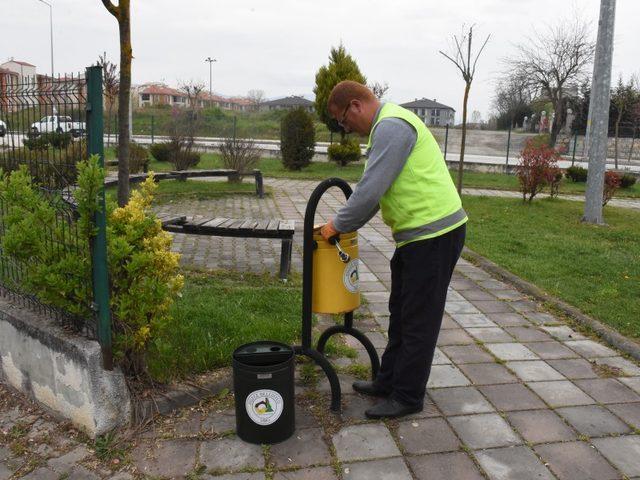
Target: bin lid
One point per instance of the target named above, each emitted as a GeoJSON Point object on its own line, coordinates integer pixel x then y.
{"type": "Point", "coordinates": [263, 353]}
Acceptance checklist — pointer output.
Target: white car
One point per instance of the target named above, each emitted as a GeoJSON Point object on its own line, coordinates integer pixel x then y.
{"type": "Point", "coordinates": [58, 124]}
{"type": "Point", "coordinates": [3, 128]}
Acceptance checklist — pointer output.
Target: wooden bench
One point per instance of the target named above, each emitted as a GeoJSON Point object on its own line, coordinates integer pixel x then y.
{"type": "Point", "coordinates": [237, 227]}
{"type": "Point", "coordinates": [184, 174]}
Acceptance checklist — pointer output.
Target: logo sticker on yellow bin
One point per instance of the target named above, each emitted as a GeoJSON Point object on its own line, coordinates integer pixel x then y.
{"type": "Point", "coordinates": [264, 407]}
{"type": "Point", "coordinates": [350, 278]}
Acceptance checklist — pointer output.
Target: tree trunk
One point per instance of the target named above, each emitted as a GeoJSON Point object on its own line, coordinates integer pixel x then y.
{"type": "Point", "coordinates": [464, 136]}
{"type": "Point", "coordinates": [557, 122]}
{"type": "Point", "coordinates": [123, 102]}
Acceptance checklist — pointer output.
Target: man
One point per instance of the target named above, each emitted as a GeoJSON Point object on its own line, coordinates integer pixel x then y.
{"type": "Point", "coordinates": [407, 179]}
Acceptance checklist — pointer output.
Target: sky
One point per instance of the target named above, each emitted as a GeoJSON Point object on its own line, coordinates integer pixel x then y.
{"type": "Point", "coordinates": [278, 45]}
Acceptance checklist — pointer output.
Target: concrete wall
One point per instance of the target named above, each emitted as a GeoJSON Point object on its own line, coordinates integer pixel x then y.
{"type": "Point", "coordinates": [61, 371]}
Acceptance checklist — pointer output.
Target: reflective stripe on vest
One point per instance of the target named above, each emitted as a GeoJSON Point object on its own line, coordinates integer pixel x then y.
{"type": "Point", "coordinates": [422, 201]}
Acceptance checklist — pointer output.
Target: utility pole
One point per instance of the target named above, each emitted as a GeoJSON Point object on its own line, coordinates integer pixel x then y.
{"type": "Point", "coordinates": [210, 60]}
{"type": "Point", "coordinates": [50, 31]}
{"type": "Point", "coordinates": [598, 122]}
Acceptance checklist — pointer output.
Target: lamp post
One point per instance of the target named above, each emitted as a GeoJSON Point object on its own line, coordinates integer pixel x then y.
{"type": "Point", "coordinates": [50, 30]}
{"type": "Point", "coordinates": [210, 60]}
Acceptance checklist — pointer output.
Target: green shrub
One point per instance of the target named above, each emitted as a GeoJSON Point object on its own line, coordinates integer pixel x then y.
{"type": "Point", "coordinates": [143, 272]}
{"type": "Point", "coordinates": [161, 151]}
{"type": "Point", "coordinates": [45, 140]}
{"type": "Point", "coordinates": [627, 180]}
{"type": "Point", "coordinates": [138, 158]}
{"type": "Point", "coordinates": [297, 139]}
{"type": "Point", "coordinates": [344, 152]}
{"type": "Point", "coordinates": [577, 174]}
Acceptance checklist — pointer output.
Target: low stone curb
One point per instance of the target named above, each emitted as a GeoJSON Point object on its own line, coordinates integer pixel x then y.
{"type": "Point", "coordinates": [603, 331]}
{"type": "Point", "coordinates": [178, 397]}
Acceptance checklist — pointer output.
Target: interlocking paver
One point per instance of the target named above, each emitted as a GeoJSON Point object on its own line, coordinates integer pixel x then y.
{"type": "Point", "coordinates": [172, 458]}
{"type": "Point", "coordinates": [551, 350]}
{"type": "Point", "coordinates": [472, 320]}
{"type": "Point", "coordinates": [629, 412]}
{"type": "Point", "coordinates": [460, 401]}
{"type": "Point", "coordinates": [560, 394]}
{"type": "Point", "coordinates": [540, 426]}
{"type": "Point", "coordinates": [593, 420]}
{"type": "Point", "coordinates": [528, 334]}
{"type": "Point", "coordinates": [460, 307]}
{"type": "Point", "coordinates": [456, 336]}
{"type": "Point", "coordinates": [230, 453]}
{"type": "Point", "coordinates": [490, 335]}
{"type": "Point", "coordinates": [460, 354]}
{"type": "Point", "coordinates": [608, 390]}
{"type": "Point", "coordinates": [487, 373]}
{"type": "Point", "coordinates": [316, 473]}
{"type": "Point", "coordinates": [590, 349]}
{"type": "Point", "coordinates": [562, 332]}
{"type": "Point", "coordinates": [444, 466]}
{"type": "Point", "coordinates": [245, 476]}
{"type": "Point", "coordinates": [632, 383]}
{"type": "Point", "coordinates": [508, 319]}
{"type": "Point", "coordinates": [513, 463]}
{"type": "Point", "coordinates": [431, 435]}
{"type": "Point", "coordinates": [534, 371]}
{"type": "Point", "coordinates": [484, 431]}
{"type": "Point", "coordinates": [477, 294]}
{"type": "Point", "coordinates": [625, 367]}
{"type": "Point", "coordinates": [493, 306]}
{"type": "Point", "coordinates": [388, 469]}
{"type": "Point", "coordinates": [304, 448]}
{"type": "Point", "coordinates": [574, 368]}
{"type": "Point", "coordinates": [364, 442]}
{"type": "Point", "coordinates": [576, 460]}
{"type": "Point", "coordinates": [622, 452]}
{"type": "Point", "coordinates": [512, 396]}
{"type": "Point", "coordinates": [511, 351]}
{"type": "Point", "coordinates": [446, 376]}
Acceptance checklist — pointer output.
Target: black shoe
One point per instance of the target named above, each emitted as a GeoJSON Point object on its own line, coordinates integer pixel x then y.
{"type": "Point", "coordinates": [369, 388]}
{"type": "Point", "coordinates": [391, 408]}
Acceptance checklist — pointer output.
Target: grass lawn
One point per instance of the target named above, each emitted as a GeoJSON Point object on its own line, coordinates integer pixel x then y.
{"type": "Point", "coordinates": [594, 268]}
{"type": "Point", "coordinates": [175, 190]}
{"type": "Point", "coordinates": [219, 312]}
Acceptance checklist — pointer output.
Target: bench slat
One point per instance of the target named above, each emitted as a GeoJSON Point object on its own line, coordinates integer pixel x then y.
{"type": "Point", "coordinates": [273, 225]}
{"type": "Point", "coordinates": [214, 222]}
{"type": "Point", "coordinates": [236, 224]}
{"type": "Point", "coordinates": [262, 225]}
{"type": "Point", "coordinates": [227, 223]}
{"type": "Point", "coordinates": [249, 224]}
{"type": "Point", "coordinates": [287, 225]}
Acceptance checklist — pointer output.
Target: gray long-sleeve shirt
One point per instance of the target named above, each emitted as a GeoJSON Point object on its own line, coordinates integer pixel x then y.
{"type": "Point", "coordinates": [391, 144]}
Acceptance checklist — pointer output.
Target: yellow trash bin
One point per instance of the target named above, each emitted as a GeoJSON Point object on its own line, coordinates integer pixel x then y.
{"type": "Point", "coordinates": [335, 282]}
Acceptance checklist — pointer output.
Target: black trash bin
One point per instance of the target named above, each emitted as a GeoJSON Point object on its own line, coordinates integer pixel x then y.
{"type": "Point", "coordinates": [264, 397]}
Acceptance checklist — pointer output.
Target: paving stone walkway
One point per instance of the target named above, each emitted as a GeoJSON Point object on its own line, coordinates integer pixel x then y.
{"type": "Point", "coordinates": [514, 394]}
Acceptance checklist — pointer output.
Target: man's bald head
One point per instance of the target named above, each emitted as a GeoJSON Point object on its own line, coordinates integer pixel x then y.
{"type": "Point", "coordinates": [348, 90]}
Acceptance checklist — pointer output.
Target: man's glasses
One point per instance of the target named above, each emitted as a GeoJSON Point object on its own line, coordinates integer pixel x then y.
{"type": "Point", "coordinates": [344, 115]}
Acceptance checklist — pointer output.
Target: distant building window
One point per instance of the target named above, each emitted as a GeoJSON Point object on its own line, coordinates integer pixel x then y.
{"type": "Point", "coordinates": [145, 97]}
{"type": "Point", "coordinates": [435, 112]}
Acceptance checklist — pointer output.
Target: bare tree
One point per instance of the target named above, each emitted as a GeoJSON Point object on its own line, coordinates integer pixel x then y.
{"type": "Point", "coordinates": [193, 90]}
{"type": "Point", "coordinates": [257, 97]}
{"type": "Point", "coordinates": [552, 62]}
{"type": "Point", "coordinates": [379, 89]}
{"type": "Point", "coordinates": [476, 117]}
{"type": "Point", "coordinates": [512, 99]}
{"type": "Point", "coordinates": [111, 85]}
{"type": "Point", "coordinates": [122, 14]}
{"type": "Point", "coordinates": [461, 58]}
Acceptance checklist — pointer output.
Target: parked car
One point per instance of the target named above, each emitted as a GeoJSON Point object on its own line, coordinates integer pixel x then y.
{"type": "Point", "coordinates": [3, 128]}
{"type": "Point", "coordinates": [58, 124]}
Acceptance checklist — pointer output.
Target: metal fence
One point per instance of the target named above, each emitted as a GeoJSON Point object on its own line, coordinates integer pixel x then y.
{"type": "Point", "coordinates": [49, 124]}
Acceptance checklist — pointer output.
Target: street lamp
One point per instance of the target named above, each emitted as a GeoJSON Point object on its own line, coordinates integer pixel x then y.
{"type": "Point", "coordinates": [210, 60]}
{"type": "Point", "coordinates": [51, 30]}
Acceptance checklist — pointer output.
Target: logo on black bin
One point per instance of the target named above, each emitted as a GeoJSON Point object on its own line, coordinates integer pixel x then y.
{"type": "Point", "coordinates": [264, 407]}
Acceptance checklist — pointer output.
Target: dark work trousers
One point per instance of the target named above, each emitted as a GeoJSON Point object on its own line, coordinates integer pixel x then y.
{"type": "Point", "coordinates": [420, 275]}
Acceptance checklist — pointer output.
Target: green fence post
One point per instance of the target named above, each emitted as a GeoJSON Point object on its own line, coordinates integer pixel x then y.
{"type": "Point", "coordinates": [152, 125]}
{"type": "Point", "coordinates": [235, 124]}
{"type": "Point", "coordinates": [95, 146]}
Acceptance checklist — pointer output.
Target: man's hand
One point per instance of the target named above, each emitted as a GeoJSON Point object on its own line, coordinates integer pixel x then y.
{"type": "Point", "coordinates": [327, 231]}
